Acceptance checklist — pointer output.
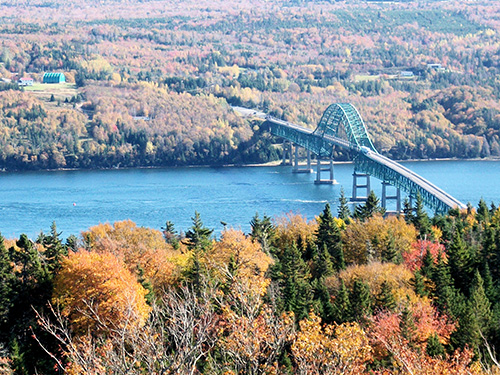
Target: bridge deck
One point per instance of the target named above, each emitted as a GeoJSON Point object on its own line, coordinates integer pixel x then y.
{"type": "Point", "coordinates": [375, 157]}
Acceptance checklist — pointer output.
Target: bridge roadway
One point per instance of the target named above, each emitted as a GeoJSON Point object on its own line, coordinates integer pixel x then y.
{"type": "Point", "coordinates": [440, 194]}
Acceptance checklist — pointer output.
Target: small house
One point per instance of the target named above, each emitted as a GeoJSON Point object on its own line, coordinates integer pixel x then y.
{"type": "Point", "coordinates": [54, 78]}
{"type": "Point", "coordinates": [406, 74]}
{"type": "Point", "coordinates": [25, 81]}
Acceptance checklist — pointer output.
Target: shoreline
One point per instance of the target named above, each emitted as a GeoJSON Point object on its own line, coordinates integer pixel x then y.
{"type": "Point", "coordinates": [275, 163]}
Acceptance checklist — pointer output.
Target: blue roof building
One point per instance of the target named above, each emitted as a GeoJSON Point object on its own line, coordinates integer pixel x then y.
{"type": "Point", "coordinates": [54, 78]}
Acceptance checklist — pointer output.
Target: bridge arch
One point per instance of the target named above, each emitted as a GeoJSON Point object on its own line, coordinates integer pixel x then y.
{"type": "Point", "coordinates": [344, 116]}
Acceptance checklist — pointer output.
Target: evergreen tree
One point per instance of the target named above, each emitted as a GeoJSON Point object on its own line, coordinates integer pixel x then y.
{"type": "Point", "coordinates": [55, 250]}
{"type": "Point", "coordinates": [323, 301]}
{"type": "Point", "coordinates": [444, 290]}
{"type": "Point", "coordinates": [434, 347]}
{"type": "Point", "coordinates": [385, 299]}
{"type": "Point", "coordinates": [328, 235]}
{"type": "Point", "coordinates": [418, 283]}
{"type": "Point", "coordinates": [483, 214]}
{"type": "Point", "coordinates": [6, 280]}
{"type": "Point", "coordinates": [322, 264]}
{"type": "Point", "coordinates": [361, 301]}
{"type": "Point", "coordinates": [344, 212]}
{"type": "Point", "coordinates": [198, 240]}
{"type": "Point", "coordinates": [480, 305]}
{"type": "Point", "coordinates": [390, 253]}
{"type": "Point", "coordinates": [342, 305]}
{"type": "Point", "coordinates": [427, 264]}
{"type": "Point", "coordinates": [421, 219]}
{"type": "Point", "coordinates": [368, 209]}
{"type": "Point", "coordinates": [198, 237]}
{"type": "Point", "coordinates": [459, 261]}
{"type": "Point", "coordinates": [170, 234]}
{"type": "Point", "coordinates": [295, 277]}
{"type": "Point", "coordinates": [408, 211]}
{"type": "Point", "coordinates": [263, 231]}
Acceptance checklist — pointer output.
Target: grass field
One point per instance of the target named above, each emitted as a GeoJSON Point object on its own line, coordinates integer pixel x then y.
{"type": "Point", "coordinates": [61, 91]}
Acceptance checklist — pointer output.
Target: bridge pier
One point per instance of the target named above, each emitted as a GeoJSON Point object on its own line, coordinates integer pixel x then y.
{"type": "Point", "coordinates": [287, 153]}
{"type": "Point", "coordinates": [396, 197]}
{"type": "Point", "coordinates": [365, 185]}
{"type": "Point", "coordinates": [296, 166]}
{"type": "Point", "coordinates": [324, 168]}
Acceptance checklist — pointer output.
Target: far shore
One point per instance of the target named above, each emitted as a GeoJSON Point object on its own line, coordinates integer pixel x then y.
{"type": "Point", "coordinates": [274, 163]}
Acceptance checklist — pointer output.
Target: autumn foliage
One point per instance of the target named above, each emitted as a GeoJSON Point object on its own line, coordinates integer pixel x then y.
{"type": "Point", "coordinates": [96, 291]}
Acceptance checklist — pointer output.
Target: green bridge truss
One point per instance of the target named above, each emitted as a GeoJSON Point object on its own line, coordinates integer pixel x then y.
{"type": "Point", "coordinates": [342, 126]}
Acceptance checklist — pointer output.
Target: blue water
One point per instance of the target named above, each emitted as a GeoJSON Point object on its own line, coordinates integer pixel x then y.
{"type": "Point", "coordinates": [77, 200]}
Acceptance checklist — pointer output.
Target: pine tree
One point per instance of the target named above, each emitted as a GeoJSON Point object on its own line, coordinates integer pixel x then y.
{"type": "Point", "coordinates": [408, 211]}
{"type": "Point", "coordinates": [322, 264]}
{"type": "Point", "coordinates": [295, 277]}
{"type": "Point", "coordinates": [390, 253]}
{"type": "Point", "coordinates": [483, 214]}
{"type": "Point", "coordinates": [344, 212]}
{"type": "Point", "coordinates": [198, 240]}
{"type": "Point", "coordinates": [6, 280]}
{"type": "Point", "coordinates": [421, 219]}
{"type": "Point", "coordinates": [459, 261]}
{"type": "Point", "coordinates": [55, 250]}
{"type": "Point", "coordinates": [480, 305]}
{"type": "Point", "coordinates": [434, 347]}
{"type": "Point", "coordinates": [361, 301]}
{"type": "Point", "coordinates": [328, 235]}
{"type": "Point", "coordinates": [170, 234]}
{"type": "Point", "coordinates": [418, 284]}
{"type": "Point", "coordinates": [263, 231]}
{"type": "Point", "coordinates": [427, 264]}
{"type": "Point", "coordinates": [342, 305]}
{"type": "Point", "coordinates": [370, 208]}
{"type": "Point", "coordinates": [323, 301]}
{"type": "Point", "coordinates": [198, 237]}
{"type": "Point", "coordinates": [444, 289]}
{"type": "Point", "coordinates": [385, 299]}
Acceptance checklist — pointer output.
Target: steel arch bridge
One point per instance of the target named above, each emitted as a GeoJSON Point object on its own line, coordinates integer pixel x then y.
{"type": "Point", "coordinates": [341, 125]}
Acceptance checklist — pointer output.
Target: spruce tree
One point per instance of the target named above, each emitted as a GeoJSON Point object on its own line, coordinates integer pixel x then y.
{"type": "Point", "coordinates": [444, 289]}
{"type": "Point", "coordinates": [262, 231]}
{"type": "Point", "coordinates": [459, 261]}
{"type": "Point", "coordinates": [418, 284]}
{"type": "Point", "coordinates": [295, 277]}
{"type": "Point", "coordinates": [390, 253]}
{"type": "Point", "coordinates": [6, 280]}
{"type": "Point", "coordinates": [483, 214]}
{"type": "Point", "coordinates": [328, 235]}
{"type": "Point", "coordinates": [344, 212]}
{"type": "Point", "coordinates": [408, 211]}
{"type": "Point", "coordinates": [434, 347]}
{"type": "Point", "coordinates": [198, 241]}
{"type": "Point", "coordinates": [368, 209]}
{"type": "Point", "coordinates": [421, 219]}
{"type": "Point", "coordinates": [427, 268]}
{"type": "Point", "coordinates": [322, 264]}
{"type": "Point", "coordinates": [481, 305]}
{"type": "Point", "coordinates": [55, 250]}
{"type": "Point", "coordinates": [361, 301]}
{"type": "Point", "coordinates": [385, 299]}
{"type": "Point", "coordinates": [323, 301]}
{"type": "Point", "coordinates": [342, 311]}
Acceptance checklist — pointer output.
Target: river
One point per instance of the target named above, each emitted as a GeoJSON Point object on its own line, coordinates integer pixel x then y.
{"type": "Point", "coordinates": [77, 200]}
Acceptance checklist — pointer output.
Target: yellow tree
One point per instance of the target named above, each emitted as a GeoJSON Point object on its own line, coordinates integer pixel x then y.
{"type": "Point", "coordinates": [97, 293]}
{"type": "Point", "coordinates": [342, 349]}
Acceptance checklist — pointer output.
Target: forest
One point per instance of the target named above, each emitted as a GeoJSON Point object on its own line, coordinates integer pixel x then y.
{"type": "Point", "coordinates": [345, 293]}
{"type": "Point", "coordinates": [152, 83]}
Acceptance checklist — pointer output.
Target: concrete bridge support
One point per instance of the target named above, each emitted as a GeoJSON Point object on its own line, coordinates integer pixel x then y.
{"type": "Point", "coordinates": [396, 197]}
{"type": "Point", "coordinates": [287, 153]}
{"type": "Point", "coordinates": [301, 169]}
{"type": "Point", "coordinates": [363, 185]}
{"type": "Point", "coordinates": [327, 167]}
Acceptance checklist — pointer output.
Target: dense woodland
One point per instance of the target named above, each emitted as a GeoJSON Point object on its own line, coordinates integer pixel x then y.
{"type": "Point", "coordinates": [341, 294]}
{"type": "Point", "coordinates": [150, 83]}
